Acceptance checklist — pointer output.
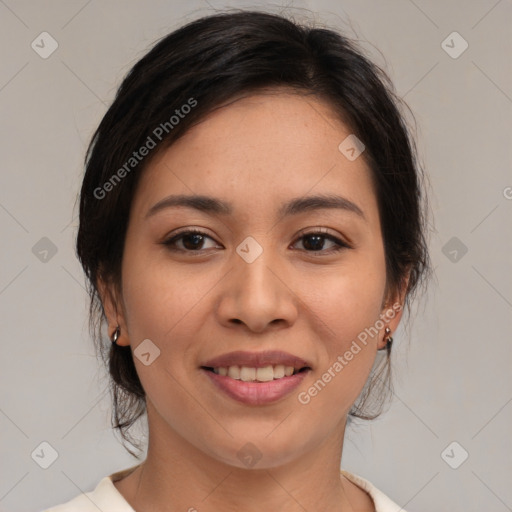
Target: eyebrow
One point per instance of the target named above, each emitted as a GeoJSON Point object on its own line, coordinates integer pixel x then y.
{"type": "Point", "coordinates": [212, 205]}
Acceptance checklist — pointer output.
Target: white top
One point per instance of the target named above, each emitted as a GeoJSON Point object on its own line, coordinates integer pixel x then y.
{"type": "Point", "coordinates": [107, 498]}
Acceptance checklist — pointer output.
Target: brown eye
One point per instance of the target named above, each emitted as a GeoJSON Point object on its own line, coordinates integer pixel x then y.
{"type": "Point", "coordinates": [192, 241]}
{"type": "Point", "coordinates": [315, 242]}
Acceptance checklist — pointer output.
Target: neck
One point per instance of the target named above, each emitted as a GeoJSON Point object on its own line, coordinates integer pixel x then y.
{"type": "Point", "coordinates": [177, 476]}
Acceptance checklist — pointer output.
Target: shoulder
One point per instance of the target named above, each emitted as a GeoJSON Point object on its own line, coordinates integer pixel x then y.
{"type": "Point", "coordinates": [104, 496]}
{"type": "Point", "coordinates": [381, 502]}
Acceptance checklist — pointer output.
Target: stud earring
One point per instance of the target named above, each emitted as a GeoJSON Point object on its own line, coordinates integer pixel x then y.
{"type": "Point", "coordinates": [388, 339]}
{"type": "Point", "coordinates": [115, 336]}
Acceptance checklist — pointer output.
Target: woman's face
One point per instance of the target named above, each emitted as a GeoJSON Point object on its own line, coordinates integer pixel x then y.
{"type": "Point", "coordinates": [258, 278]}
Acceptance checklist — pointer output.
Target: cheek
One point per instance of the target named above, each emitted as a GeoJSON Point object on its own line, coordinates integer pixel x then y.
{"type": "Point", "coordinates": [157, 298]}
{"type": "Point", "coordinates": [347, 308]}
{"type": "Point", "coordinates": [160, 307]}
{"type": "Point", "coordinates": [167, 306]}
{"type": "Point", "coordinates": [347, 300]}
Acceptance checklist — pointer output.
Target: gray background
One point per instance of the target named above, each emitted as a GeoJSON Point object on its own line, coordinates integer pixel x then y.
{"type": "Point", "coordinates": [451, 370]}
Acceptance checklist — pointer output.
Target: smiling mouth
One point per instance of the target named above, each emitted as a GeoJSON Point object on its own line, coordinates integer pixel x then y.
{"type": "Point", "coordinates": [252, 374]}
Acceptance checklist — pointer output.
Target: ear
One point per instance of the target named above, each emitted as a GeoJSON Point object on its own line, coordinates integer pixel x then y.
{"type": "Point", "coordinates": [113, 308]}
{"type": "Point", "coordinates": [392, 310]}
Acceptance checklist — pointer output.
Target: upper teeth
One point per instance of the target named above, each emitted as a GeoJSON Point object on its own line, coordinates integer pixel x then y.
{"type": "Point", "coordinates": [247, 374]}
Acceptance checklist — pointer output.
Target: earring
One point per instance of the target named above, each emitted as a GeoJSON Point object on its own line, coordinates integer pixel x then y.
{"type": "Point", "coordinates": [388, 339]}
{"type": "Point", "coordinates": [115, 336]}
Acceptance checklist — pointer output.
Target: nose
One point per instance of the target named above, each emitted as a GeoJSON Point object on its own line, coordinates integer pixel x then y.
{"type": "Point", "coordinates": [258, 295]}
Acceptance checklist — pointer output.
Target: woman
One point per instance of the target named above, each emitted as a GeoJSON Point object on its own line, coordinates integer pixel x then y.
{"type": "Point", "coordinates": [251, 227]}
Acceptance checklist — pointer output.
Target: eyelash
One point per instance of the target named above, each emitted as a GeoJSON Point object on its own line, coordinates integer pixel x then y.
{"type": "Point", "coordinates": [340, 245]}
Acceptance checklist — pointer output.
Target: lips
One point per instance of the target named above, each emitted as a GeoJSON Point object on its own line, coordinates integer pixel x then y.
{"type": "Point", "coordinates": [256, 393]}
{"type": "Point", "coordinates": [257, 360]}
{"type": "Point", "coordinates": [256, 378]}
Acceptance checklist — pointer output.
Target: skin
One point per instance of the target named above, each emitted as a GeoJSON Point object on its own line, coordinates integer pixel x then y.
{"type": "Point", "coordinates": [256, 152]}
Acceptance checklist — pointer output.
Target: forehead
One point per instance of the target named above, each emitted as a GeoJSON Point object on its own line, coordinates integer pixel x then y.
{"type": "Point", "coordinates": [255, 148]}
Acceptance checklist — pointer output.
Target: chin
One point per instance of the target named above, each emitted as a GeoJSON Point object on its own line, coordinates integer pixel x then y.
{"type": "Point", "coordinates": [259, 451]}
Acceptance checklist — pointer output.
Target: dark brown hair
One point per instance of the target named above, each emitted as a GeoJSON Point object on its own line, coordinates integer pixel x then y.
{"type": "Point", "coordinates": [207, 63]}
